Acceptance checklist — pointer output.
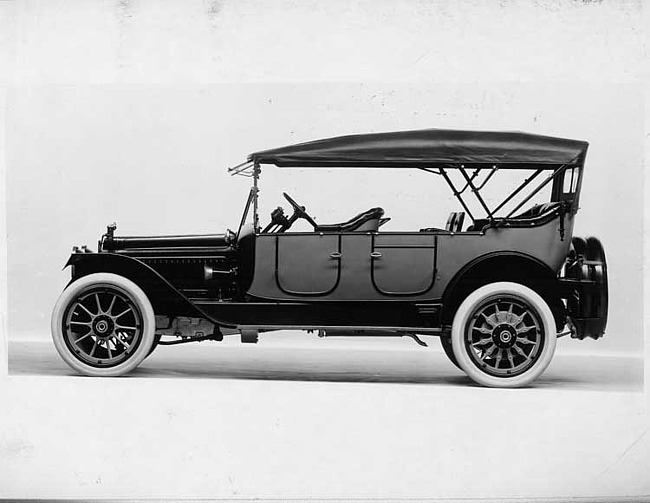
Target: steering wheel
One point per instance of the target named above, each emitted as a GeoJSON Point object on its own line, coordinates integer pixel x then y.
{"type": "Point", "coordinates": [299, 211]}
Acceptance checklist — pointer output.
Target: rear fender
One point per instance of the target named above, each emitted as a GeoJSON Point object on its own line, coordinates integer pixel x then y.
{"type": "Point", "coordinates": [164, 297]}
{"type": "Point", "coordinates": [505, 266]}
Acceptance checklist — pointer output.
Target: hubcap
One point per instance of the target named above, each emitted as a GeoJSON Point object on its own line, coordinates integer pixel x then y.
{"type": "Point", "coordinates": [504, 336]}
{"type": "Point", "coordinates": [102, 326]}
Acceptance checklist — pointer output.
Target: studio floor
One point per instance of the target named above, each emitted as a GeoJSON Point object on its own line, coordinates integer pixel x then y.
{"type": "Point", "coordinates": [299, 357]}
{"type": "Point", "coordinates": [298, 417]}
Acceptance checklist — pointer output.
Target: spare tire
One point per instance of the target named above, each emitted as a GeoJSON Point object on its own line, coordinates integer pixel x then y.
{"type": "Point", "coordinates": [588, 307]}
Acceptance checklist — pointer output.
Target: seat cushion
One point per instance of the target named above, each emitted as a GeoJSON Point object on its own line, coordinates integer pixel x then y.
{"type": "Point", "coordinates": [355, 223]}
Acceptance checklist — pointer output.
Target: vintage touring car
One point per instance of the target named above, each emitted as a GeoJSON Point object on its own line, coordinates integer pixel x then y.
{"type": "Point", "coordinates": [497, 287]}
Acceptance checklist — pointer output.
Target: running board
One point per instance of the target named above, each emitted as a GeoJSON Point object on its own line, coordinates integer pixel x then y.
{"type": "Point", "coordinates": [250, 333]}
{"type": "Point", "coordinates": [344, 328]}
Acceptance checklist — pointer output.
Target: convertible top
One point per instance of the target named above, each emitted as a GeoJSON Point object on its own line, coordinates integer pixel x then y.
{"type": "Point", "coordinates": [429, 148]}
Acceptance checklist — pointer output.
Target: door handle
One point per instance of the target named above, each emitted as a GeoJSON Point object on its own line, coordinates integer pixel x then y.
{"type": "Point", "coordinates": [375, 255]}
{"type": "Point", "coordinates": [335, 255]}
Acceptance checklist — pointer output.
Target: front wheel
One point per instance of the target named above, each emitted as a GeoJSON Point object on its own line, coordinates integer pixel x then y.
{"type": "Point", "coordinates": [103, 325]}
{"type": "Point", "coordinates": [503, 335]}
{"type": "Point", "coordinates": [445, 342]}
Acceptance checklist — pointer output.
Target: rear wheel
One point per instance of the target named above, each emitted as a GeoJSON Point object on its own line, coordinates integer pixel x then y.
{"type": "Point", "coordinates": [503, 335]}
{"type": "Point", "coordinates": [103, 325]}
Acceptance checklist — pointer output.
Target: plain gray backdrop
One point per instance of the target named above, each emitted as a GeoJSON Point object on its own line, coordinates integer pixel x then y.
{"type": "Point", "coordinates": [154, 159]}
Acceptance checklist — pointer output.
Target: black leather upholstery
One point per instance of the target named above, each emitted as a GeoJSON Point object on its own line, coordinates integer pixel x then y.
{"type": "Point", "coordinates": [455, 221]}
{"type": "Point", "coordinates": [356, 223]}
{"type": "Point", "coordinates": [478, 224]}
{"type": "Point", "coordinates": [533, 212]}
{"type": "Point", "coordinates": [537, 210]}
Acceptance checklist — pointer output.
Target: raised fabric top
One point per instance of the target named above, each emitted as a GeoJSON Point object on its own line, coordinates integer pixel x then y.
{"type": "Point", "coordinates": [428, 148]}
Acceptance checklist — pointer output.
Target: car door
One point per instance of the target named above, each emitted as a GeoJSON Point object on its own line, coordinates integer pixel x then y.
{"type": "Point", "coordinates": [403, 263]}
{"type": "Point", "coordinates": [307, 264]}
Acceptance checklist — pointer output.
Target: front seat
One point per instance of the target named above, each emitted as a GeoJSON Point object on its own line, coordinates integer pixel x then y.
{"type": "Point", "coordinates": [366, 221]}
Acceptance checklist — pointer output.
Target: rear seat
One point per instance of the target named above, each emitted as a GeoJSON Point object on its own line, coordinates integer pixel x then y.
{"type": "Point", "coordinates": [533, 212]}
{"type": "Point", "coordinates": [536, 210]}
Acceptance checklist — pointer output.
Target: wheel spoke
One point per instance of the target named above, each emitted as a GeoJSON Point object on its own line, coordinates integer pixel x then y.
{"type": "Point", "coordinates": [518, 320]}
{"type": "Point", "coordinates": [483, 331]}
{"type": "Point", "coordinates": [108, 347]}
{"type": "Point", "coordinates": [84, 323]}
{"type": "Point", "coordinates": [490, 322]}
{"type": "Point", "coordinates": [110, 308]}
{"type": "Point", "coordinates": [510, 359]}
{"type": "Point", "coordinates": [92, 315]}
{"type": "Point", "coordinates": [123, 343]}
{"type": "Point", "coordinates": [482, 342]}
{"type": "Point", "coordinates": [499, 358]}
{"type": "Point", "coordinates": [99, 305]}
{"type": "Point", "coordinates": [521, 352]}
{"type": "Point", "coordinates": [525, 329]}
{"type": "Point", "coordinates": [92, 351]}
{"type": "Point", "coordinates": [124, 327]}
{"type": "Point", "coordinates": [122, 313]}
{"type": "Point", "coordinates": [82, 337]}
{"type": "Point", "coordinates": [488, 352]}
{"type": "Point", "coordinates": [525, 341]}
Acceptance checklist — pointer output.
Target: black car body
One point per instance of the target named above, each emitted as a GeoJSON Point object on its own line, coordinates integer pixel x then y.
{"type": "Point", "coordinates": [355, 278]}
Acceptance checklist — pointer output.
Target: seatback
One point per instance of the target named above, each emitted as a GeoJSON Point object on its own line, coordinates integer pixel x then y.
{"type": "Point", "coordinates": [537, 210]}
{"type": "Point", "coordinates": [365, 221]}
{"type": "Point", "coordinates": [532, 212]}
{"type": "Point", "coordinates": [455, 221]}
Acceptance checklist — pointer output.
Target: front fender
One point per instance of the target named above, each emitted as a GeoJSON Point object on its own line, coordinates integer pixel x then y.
{"type": "Point", "coordinates": [164, 297]}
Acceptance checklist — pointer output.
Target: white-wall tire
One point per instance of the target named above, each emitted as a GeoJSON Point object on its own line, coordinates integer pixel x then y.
{"type": "Point", "coordinates": [103, 325]}
{"type": "Point", "coordinates": [503, 335]}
